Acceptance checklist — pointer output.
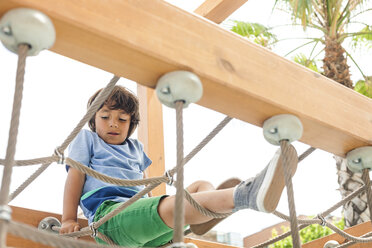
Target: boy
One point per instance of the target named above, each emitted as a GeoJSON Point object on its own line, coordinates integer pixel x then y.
{"type": "Point", "coordinates": [149, 221]}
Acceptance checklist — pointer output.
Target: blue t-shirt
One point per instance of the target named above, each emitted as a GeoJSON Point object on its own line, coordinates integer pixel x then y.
{"type": "Point", "coordinates": [125, 161]}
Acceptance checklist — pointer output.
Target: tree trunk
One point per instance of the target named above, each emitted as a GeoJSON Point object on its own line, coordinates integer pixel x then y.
{"type": "Point", "coordinates": [355, 211]}
{"type": "Point", "coordinates": [336, 68]}
{"type": "Point", "coordinates": [334, 63]}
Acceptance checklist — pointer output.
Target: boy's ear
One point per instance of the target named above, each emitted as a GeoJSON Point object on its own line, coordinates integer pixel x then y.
{"type": "Point", "coordinates": [92, 124]}
{"type": "Point", "coordinates": [132, 128]}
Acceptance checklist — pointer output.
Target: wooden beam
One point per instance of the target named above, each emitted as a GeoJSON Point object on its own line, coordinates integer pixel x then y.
{"type": "Point", "coordinates": [150, 133]}
{"type": "Point", "coordinates": [207, 244]}
{"type": "Point", "coordinates": [141, 40]}
{"type": "Point", "coordinates": [33, 218]}
{"type": "Point", "coordinates": [218, 10]}
{"type": "Point", "coordinates": [357, 231]}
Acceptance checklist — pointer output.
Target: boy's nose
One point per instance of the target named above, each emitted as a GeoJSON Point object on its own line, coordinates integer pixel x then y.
{"type": "Point", "coordinates": [113, 124]}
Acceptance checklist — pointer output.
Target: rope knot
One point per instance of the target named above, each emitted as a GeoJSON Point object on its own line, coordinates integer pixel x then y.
{"type": "Point", "coordinates": [60, 154]}
{"type": "Point", "coordinates": [170, 178]}
{"type": "Point", "coordinates": [93, 229]}
{"type": "Point", "coordinates": [320, 217]}
{"type": "Point", "coordinates": [5, 213]}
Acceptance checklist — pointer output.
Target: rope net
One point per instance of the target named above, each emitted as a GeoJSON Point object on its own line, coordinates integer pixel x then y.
{"type": "Point", "coordinates": [288, 155]}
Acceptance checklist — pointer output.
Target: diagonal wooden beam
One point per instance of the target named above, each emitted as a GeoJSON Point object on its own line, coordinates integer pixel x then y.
{"type": "Point", "coordinates": [218, 10]}
{"type": "Point", "coordinates": [141, 40]}
{"type": "Point", "coordinates": [357, 231]}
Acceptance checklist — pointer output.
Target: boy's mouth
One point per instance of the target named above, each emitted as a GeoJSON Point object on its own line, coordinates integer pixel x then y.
{"type": "Point", "coordinates": [113, 133]}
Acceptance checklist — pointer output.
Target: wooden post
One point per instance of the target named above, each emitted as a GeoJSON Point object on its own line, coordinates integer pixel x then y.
{"type": "Point", "coordinates": [150, 133]}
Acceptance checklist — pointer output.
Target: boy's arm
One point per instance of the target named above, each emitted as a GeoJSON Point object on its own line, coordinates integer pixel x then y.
{"type": "Point", "coordinates": [145, 176]}
{"type": "Point", "coordinates": [73, 189]}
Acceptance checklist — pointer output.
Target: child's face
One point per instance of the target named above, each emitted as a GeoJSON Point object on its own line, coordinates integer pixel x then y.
{"type": "Point", "coordinates": [112, 125]}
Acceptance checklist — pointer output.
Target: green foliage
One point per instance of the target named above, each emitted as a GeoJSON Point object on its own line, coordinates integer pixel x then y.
{"type": "Point", "coordinates": [255, 32]}
{"type": "Point", "coordinates": [364, 87]}
{"type": "Point", "coordinates": [307, 234]}
{"type": "Point", "coordinates": [303, 60]}
{"type": "Point", "coordinates": [363, 38]}
{"type": "Point", "coordinates": [313, 232]}
{"type": "Point", "coordinates": [284, 243]}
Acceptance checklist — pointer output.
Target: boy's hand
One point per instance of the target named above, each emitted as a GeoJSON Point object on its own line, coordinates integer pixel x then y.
{"type": "Point", "coordinates": [69, 226]}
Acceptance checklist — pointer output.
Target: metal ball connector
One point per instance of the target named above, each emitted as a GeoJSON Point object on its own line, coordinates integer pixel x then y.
{"type": "Point", "coordinates": [282, 127]}
{"type": "Point", "coordinates": [48, 223]}
{"type": "Point", "coordinates": [27, 26]}
{"type": "Point", "coordinates": [331, 244]}
{"type": "Point", "coordinates": [182, 245]}
{"type": "Point", "coordinates": [179, 86]}
{"type": "Point", "coordinates": [359, 159]}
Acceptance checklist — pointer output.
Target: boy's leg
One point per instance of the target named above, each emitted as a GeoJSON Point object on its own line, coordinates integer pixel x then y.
{"type": "Point", "coordinates": [220, 201]}
{"type": "Point", "coordinates": [200, 186]}
{"type": "Point", "coordinates": [260, 193]}
{"type": "Point", "coordinates": [166, 206]}
{"type": "Point", "coordinates": [201, 229]}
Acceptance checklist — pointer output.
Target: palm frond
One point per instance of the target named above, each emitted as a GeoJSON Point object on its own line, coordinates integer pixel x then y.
{"type": "Point", "coordinates": [355, 63]}
{"type": "Point", "coordinates": [334, 17]}
{"type": "Point", "coordinates": [301, 10]}
{"type": "Point", "coordinates": [363, 37]}
{"type": "Point", "coordinates": [255, 32]}
{"type": "Point", "coordinates": [305, 44]}
{"type": "Point", "coordinates": [307, 62]}
{"type": "Point", "coordinates": [300, 38]}
{"type": "Point", "coordinates": [312, 50]}
{"type": "Point", "coordinates": [344, 17]}
{"type": "Point", "coordinates": [359, 13]}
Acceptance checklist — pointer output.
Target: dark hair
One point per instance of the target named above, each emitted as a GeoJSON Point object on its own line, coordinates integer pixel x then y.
{"type": "Point", "coordinates": [119, 98]}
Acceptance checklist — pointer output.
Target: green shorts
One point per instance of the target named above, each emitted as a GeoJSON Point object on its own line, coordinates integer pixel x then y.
{"type": "Point", "coordinates": [137, 225]}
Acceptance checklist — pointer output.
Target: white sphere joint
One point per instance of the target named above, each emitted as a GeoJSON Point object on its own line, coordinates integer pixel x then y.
{"type": "Point", "coordinates": [48, 223]}
{"type": "Point", "coordinates": [331, 244]}
{"type": "Point", "coordinates": [27, 26]}
{"type": "Point", "coordinates": [360, 159]}
{"type": "Point", "coordinates": [182, 245]}
{"type": "Point", "coordinates": [179, 86]}
{"type": "Point", "coordinates": [282, 127]}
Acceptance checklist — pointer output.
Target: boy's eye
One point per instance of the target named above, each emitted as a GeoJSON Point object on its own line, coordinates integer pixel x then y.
{"type": "Point", "coordinates": [123, 120]}
{"type": "Point", "coordinates": [104, 117]}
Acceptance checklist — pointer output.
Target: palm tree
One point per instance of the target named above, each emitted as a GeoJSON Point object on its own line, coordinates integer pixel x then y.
{"type": "Point", "coordinates": [333, 19]}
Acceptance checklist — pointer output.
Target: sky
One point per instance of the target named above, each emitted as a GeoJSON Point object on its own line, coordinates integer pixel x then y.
{"type": "Point", "coordinates": [55, 94]}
